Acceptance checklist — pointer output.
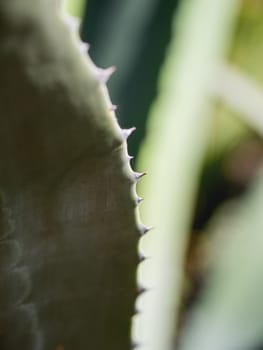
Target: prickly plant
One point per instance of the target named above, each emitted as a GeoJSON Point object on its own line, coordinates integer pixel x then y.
{"type": "Point", "coordinates": [68, 229]}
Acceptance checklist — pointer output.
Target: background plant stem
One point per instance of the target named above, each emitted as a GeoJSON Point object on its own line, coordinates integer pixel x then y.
{"type": "Point", "coordinates": [173, 153]}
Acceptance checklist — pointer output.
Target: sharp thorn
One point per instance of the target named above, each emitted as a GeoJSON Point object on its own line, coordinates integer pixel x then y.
{"type": "Point", "coordinates": [113, 108]}
{"type": "Point", "coordinates": [142, 257]}
{"type": "Point", "coordinates": [72, 22]}
{"type": "Point", "coordinates": [144, 229]}
{"type": "Point", "coordinates": [139, 200]}
{"type": "Point", "coordinates": [127, 132]}
{"type": "Point", "coordinates": [138, 176]}
{"type": "Point", "coordinates": [135, 345]}
{"type": "Point", "coordinates": [130, 157]}
{"type": "Point", "coordinates": [105, 74]}
{"type": "Point", "coordinates": [141, 289]}
{"type": "Point", "coordinates": [84, 47]}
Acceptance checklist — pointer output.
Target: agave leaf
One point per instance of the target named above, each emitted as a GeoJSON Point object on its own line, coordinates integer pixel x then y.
{"type": "Point", "coordinates": [68, 231]}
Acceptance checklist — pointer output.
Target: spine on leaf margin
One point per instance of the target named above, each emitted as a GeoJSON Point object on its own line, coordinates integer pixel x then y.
{"type": "Point", "coordinates": [68, 227]}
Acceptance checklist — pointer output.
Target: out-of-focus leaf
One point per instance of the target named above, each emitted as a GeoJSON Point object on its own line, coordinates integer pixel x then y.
{"type": "Point", "coordinates": [173, 153]}
{"type": "Point", "coordinates": [229, 314]}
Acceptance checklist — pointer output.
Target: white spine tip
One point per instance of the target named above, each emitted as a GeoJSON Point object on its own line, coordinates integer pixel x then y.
{"type": "Point", "coordinates": [139, 200]}
{"type": "Point", "coordinates": [135, 345]}
{"type": "Point", "coordinates": [142, 258]}
{"type": "Point", "coordinates": [105, 74]}
{"type": "Point", "coordinates": [127, 132]}
{"type": "Point", "coordinates": [84, 47]}
{"type": "Point", "coordinates": [141, 290]}
{"type": "Point", "coordinates": [72, 22]}
{"type": "Point", "coordinates": [113, 108]}
{"type": "Point", "coordinates": [144, 229]}
{"type": "Point", "coordinates": [138, 176]}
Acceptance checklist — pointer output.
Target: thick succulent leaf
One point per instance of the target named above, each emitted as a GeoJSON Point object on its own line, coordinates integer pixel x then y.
{"type": "Point", "coordinates": [68, 231]}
